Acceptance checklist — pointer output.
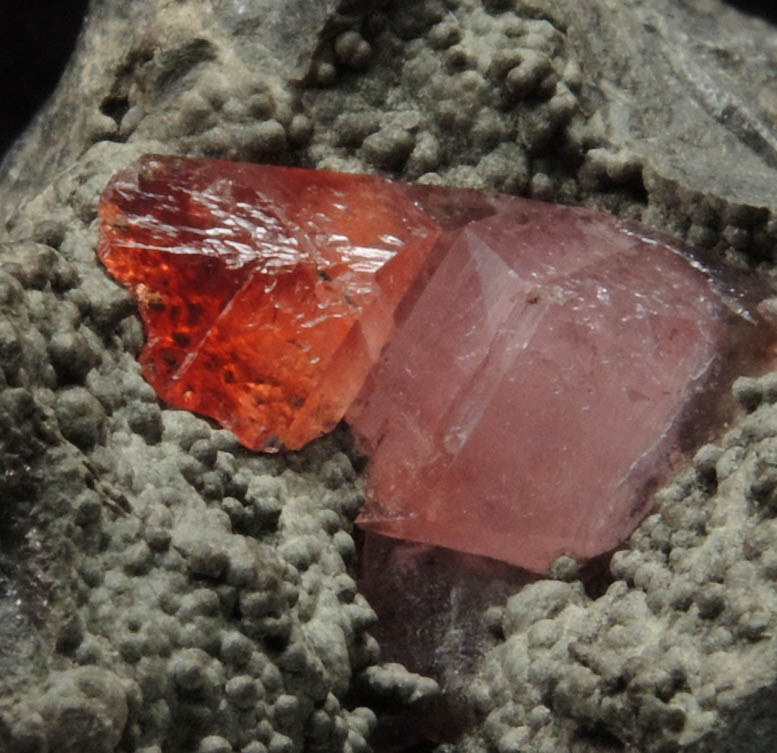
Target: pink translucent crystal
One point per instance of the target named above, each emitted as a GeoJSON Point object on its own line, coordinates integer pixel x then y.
{"type": "Point", "coordinates": [538, 385]}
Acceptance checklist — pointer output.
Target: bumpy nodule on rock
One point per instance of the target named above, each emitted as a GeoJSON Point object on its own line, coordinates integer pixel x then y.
{"type": "Point", "coordinates": [536, 364]}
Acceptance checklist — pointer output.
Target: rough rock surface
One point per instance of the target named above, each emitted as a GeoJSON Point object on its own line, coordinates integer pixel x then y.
{"type": "Point", "coordinates": [149, 564]}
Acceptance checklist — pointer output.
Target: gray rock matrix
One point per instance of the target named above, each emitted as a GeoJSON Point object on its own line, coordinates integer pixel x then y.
{"type": "Point", "coordinates": [164, 591]}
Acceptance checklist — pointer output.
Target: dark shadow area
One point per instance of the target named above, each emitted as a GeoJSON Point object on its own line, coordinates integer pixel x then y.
{"type": "Point", "coordinates": [36, 40]}
{"type": "Point", "coordinates": [432, 607]}
{"type": "Point", "coordinates": [430, 603]}
{"type": "Point", "coordinates": [766, 9]}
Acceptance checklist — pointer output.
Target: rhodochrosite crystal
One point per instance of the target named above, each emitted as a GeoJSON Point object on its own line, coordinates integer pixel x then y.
{"type": "Point", "coordinates": [267, 292]}
{"type": "Point", "coordinates": [536, 364]}
{"type": "Point", "coordinates": [539, 385]}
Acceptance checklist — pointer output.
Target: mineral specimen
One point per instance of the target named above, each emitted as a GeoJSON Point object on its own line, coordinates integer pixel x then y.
{"type": "Point", "coordinates": [537, 365]}
{"type": "Point", "coordinates": [540, 384]}
{"type": "Point", "coordinates": [267, 292]}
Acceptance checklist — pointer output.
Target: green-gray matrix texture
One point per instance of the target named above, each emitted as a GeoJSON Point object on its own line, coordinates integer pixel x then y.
{"type": "Point", "coordinates": [162, 590]}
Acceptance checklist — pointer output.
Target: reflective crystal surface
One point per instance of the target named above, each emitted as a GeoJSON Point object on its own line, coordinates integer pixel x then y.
{"type": "Point", "coordinates": [520, 374]}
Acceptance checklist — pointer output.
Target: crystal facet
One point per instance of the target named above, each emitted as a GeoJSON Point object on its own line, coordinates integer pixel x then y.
{"type": "Point", "coordinates": [537, 365]}
{"type": "Point", "coordinates": [267, 292]}
{"type": "Point", "coordinates": [538, 386]}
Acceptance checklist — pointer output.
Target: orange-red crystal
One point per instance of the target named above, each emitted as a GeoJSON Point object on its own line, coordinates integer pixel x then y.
{"type": "Point", "coordinates": [267, 292]}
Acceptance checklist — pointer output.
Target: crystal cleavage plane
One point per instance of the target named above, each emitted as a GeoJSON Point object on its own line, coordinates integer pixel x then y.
{"type": "Point", "coordinates": [520, 374]}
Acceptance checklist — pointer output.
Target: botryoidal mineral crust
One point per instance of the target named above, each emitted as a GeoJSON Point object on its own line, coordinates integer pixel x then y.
{"type": "Point", "coordinates": [537, 365]}
{"type": "Point", "coordinates": [198, 95]}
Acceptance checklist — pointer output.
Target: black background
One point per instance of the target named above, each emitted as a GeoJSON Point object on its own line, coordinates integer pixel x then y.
{"type": "Point", "coordinates": [36, 39]}
{"type": "Point", "coordinates": [38, 36]}
{"type": "Point", "coordinates": [765, 8]}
